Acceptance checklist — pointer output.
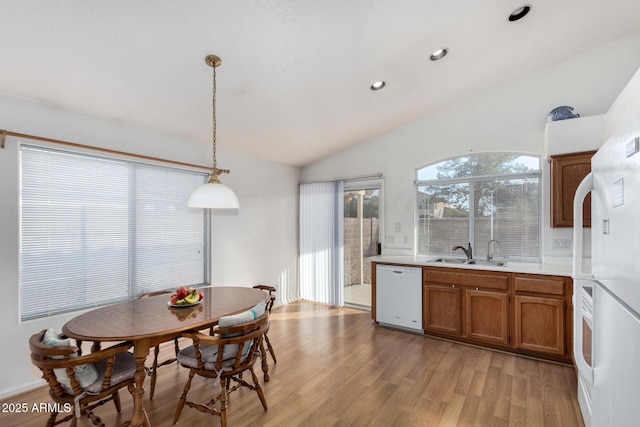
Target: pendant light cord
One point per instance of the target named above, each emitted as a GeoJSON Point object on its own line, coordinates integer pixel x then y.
{"type": "Point", "coordinates": [214, 61]}
{"type": "Point", "coordinates": [214, 123]}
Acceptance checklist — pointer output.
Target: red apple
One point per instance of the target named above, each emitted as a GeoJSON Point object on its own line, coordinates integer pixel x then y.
{"type": "Point", "coordinates": [182, 294]}
{"type": "Point", "coordinates": [174, 298]}
{"type": "Point", "coordinates": [201, 296]}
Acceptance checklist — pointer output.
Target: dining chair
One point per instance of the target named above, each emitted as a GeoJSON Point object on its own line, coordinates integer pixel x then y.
{"type": "Point", "coordinates": [80, 383]}
{"type": "Point", "coordinates": [272, 298]}
{"type": "Point", "coordinates": [152, 372]}
{"type": "Point", "coordinates": [224, 355]}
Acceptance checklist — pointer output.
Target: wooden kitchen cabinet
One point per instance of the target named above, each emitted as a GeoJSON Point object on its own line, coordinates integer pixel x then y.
{"type": "Point", "coordinates": [567, 171]}
{"type": "Point", "coordinates": [442, 308]}
{"type": "Point", "coordinates": [539, 324]}
{"type": "Point", "coordinates": [528, 314]}
{"type": "Point", "coordinates": [487, 316]}
{"type": "Point", "coordinates": [470, 305]}
{"type": "Point", "coordinates": [542, 315]}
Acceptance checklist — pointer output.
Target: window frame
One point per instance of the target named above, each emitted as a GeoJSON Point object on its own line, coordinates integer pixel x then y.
{"type": "Point", "coordinates": [131, 162]}
{"type": "Point", "coordinates": [471, 180]}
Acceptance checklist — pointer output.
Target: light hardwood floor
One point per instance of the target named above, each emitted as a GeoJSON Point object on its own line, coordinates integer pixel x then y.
{"type": "Point", "coordinates": [335, 368]}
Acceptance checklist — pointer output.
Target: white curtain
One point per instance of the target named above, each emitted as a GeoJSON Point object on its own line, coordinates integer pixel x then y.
{"type": "Point", "coordinates": [321, 242]}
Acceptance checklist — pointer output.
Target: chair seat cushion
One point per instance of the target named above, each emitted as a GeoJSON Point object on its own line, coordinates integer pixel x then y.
{"type": "Point", "coordinates": [124, 367]}
{"type": "Point", "coordinates": [187, 356]}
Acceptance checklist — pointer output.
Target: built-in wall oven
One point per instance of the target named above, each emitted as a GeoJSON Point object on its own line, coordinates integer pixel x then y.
{"type": "Point", "coordinates": [583, 344]}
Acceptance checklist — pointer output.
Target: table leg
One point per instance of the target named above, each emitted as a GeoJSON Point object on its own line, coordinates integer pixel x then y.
{"type": "Point", "coordinates": [139, 417]}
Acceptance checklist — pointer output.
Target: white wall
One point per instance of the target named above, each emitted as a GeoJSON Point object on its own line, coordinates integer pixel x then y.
{"type": "Point", "coordinates": [509, 118]}
{"type": "Point", "coordinates": [623, 116]}
{"type": "Point", "coordinates": [256, 244]}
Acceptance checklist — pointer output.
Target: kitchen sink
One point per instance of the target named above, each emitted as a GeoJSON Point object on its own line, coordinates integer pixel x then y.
{"type": "Point", "coordinates": [451, 260]}
{"type": "Point", "coordinates": [469, 262]}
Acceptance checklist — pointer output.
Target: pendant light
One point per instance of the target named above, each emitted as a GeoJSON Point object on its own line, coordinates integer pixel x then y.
{"type": "Point", "coordinates": [213, 194]}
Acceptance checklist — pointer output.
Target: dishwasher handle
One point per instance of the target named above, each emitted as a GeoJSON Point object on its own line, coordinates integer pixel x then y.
{"type": "Point", "coordinates": [395, 269]}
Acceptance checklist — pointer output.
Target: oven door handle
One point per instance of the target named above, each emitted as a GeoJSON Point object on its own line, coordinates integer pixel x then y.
{"type": "Point", "coordinates": [585, 370]}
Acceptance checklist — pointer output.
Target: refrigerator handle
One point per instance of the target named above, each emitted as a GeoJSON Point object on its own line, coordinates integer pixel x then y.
{"type": "Point", "coordinates": [581, 192]}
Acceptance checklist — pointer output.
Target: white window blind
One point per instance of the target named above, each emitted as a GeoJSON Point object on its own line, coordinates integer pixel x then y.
{"type": "Point", "coordinates": [96, 230]}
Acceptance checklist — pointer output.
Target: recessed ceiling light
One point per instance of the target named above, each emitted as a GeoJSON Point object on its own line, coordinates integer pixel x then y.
{"type": "Point", "coordinates": [378, 85]}
{"type": "Point", "coordinates": [439, 54]}
{"type": "Point", "coordinates": [520, 12]}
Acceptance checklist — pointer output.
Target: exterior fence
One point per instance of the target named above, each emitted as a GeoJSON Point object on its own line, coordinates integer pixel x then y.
{"type": "Point", "coordinates": [353, 255]}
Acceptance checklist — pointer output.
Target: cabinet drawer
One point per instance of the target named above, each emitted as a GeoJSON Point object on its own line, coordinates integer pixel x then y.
{"type": "Point", "coordinates": [540, 285]}
{"type": "Point", "coordinates": [478, 279]}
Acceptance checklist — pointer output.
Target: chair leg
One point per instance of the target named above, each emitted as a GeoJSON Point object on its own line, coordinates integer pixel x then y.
{"type": "Point", "coordinates": [52, 419]}
{"type": "Point", "coordinates": [265, 364]}
{"type": "Point", "coordinates": [95, 420]}
{"type": "Point", "coordinates": [224, 398]}
{"type": "Point", "coordinates": [273, 354]}
{"type": "Point", "coordinates": [116, 401]}
{"type": "Point", "coordinates": [154, 368]}
{"type": "Point", "coordinates": [176, 346]}
{"type": "Point", "coordinates": [258, 389]}
{"type": "Point", "coordinates": [183, 398]}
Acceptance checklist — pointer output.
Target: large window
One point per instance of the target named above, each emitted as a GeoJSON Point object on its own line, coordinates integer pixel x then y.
{"type": "Point", "coordinates": [96, 230]}
{"type": "Point", "coordinates": [478, 198]}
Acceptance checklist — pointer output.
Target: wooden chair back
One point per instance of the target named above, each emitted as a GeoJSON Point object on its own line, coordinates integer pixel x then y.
{"type": "Point", "coordinates": [227, 367]}
{"type": "Point", "coordinates": [47, 358]}
{"type": "Point", "coordinates": [272, 295]}
{"type": "Point", "coordinates": [245, 335]}
{"type": "Point", "coordinates": [272, 298]}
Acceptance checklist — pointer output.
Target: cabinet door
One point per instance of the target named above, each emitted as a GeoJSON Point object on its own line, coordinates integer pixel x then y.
{"type": "Point", "coordinates": [442, 309]}
{"type": "Point", "coordinates": [540, 324]}
{"type": "Point", "coordinates": [487, 316]}
{"type": "Point", "coordinates": [567, 171]}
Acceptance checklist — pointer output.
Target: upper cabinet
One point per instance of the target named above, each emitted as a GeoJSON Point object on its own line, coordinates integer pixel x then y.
{"type": "Point", "coordinates": [567, 171]}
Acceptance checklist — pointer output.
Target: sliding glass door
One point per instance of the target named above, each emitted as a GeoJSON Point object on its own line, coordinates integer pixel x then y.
{"type": "Point", "coordinates": [361, 240]}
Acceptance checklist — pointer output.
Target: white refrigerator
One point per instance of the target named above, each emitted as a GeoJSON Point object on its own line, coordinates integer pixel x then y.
{"type": "Point", "coordinates": [607, 298]}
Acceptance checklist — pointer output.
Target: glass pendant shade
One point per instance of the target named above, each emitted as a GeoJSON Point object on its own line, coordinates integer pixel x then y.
{"type": "Point", "coordinates": [213, 196]}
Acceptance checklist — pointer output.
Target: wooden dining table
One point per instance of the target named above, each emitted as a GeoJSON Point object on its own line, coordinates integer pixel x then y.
{"type": "Point", "coordinates": [147, 322]}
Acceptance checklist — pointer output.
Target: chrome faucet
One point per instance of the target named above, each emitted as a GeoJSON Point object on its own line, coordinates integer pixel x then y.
{"type": "Point", "coordinates": [490, 249]}
{"type": "Point", "coordinates": [467, 251]}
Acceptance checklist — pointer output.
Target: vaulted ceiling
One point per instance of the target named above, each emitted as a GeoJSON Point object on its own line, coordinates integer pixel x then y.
{"type": "Point", "coordinates": [296, 75]}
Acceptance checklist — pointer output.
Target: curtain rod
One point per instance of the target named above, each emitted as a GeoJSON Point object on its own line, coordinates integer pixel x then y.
{"type": "Point", "coordinates": [5, 133]}
{"type": "Point", "coordinates": [344, 178]}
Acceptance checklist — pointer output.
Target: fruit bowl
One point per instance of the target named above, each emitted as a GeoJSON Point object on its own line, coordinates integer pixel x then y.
{"type": "Point", "coordinates": [184, 297]}
{"type": "Point", "coordinates": [182, 305]}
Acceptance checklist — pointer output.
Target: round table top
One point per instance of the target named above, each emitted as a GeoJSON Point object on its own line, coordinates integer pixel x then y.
{"type": "Point", "coordinates": [153, 317]}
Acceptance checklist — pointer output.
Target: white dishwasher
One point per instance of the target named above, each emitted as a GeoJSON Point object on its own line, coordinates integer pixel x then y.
{"type": "Point", "coordinates": [399, 296]}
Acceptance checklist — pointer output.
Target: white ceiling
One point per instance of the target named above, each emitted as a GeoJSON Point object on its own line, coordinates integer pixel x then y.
{"type": "Point", "coordinates": [294, 84]}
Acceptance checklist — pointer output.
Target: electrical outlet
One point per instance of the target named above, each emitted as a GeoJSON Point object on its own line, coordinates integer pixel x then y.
{"type": "Point", "coordinates": [397, 228]}
{"type": "Point", "coordinates": [561, 244]}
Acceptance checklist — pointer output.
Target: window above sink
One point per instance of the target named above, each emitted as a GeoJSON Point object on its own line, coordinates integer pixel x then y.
{"type": "Point", "coordinates": [478, 198]}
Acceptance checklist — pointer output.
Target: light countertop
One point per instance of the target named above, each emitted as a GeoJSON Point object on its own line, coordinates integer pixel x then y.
{"type": "Point", "coordinates": [510, 267]}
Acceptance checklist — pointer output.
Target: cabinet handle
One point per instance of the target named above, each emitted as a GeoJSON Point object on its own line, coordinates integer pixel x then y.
{"type": "Point", "coordinates": [453, 286]}
{"type": "Point", "coordinates": [476, 289]}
